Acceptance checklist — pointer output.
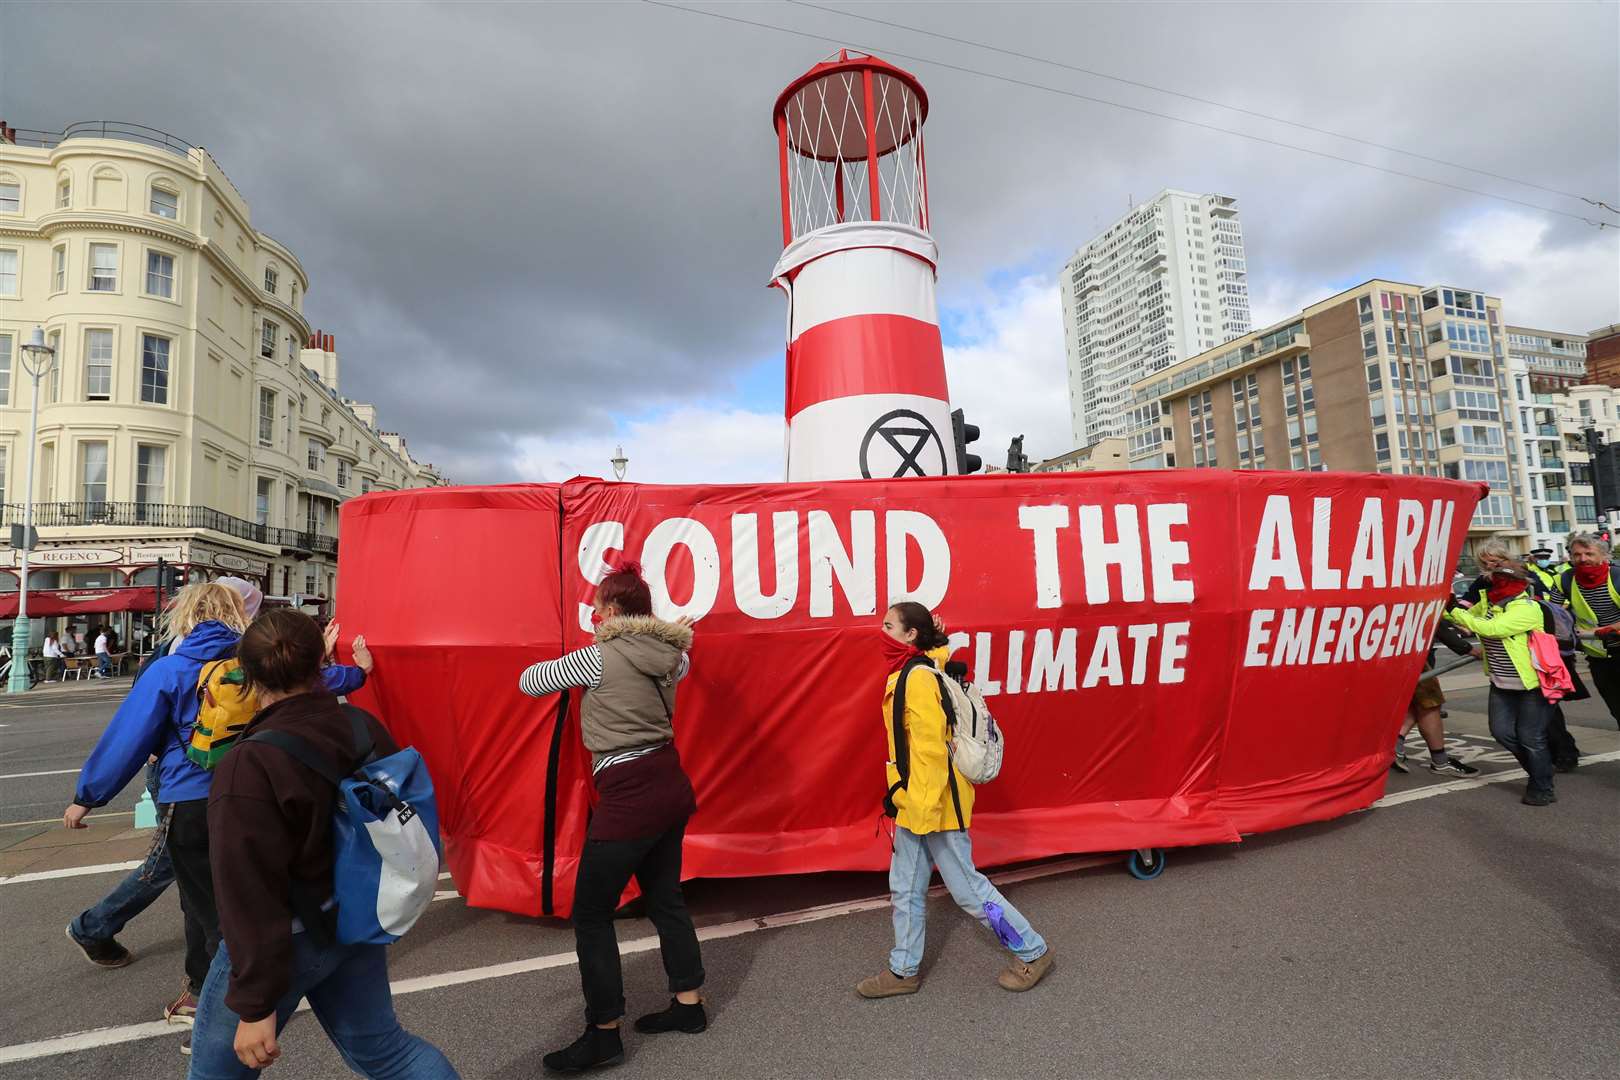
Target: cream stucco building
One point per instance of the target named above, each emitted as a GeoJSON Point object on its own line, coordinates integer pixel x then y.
{"type": "Point", "coordinates": [193, 413]}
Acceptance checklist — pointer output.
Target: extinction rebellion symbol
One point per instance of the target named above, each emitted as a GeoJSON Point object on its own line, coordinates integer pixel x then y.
{"type": "Point", "coordinates": [904, 447]}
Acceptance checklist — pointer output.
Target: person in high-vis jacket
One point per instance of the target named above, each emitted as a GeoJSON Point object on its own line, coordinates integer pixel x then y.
{"type": "Point", "coordinates": [932, 807]}
{"type": "Point", "coordinates": [1541, 568]}
{"type": "Point", "coordinates": [1519, 714]}
{"type": "Point", "coordinates": [1594, 599]}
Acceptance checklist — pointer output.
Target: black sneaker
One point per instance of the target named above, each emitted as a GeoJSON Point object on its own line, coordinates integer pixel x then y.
{"type": "Point", "coordinates": [678, 1017]}
{"type": "Point", "coordinates": [1539, 798]}
{"type": "Point", "coordinates": [185, 1043]}
{"type": "Point", "coordinates": [596, 1049]}
{"type": "Point", "coordinates": [1398, 764]}
{"type": "Point", "coordinates": [107, 954]}
{"type": "Point", "coordinates": [1453, 767]}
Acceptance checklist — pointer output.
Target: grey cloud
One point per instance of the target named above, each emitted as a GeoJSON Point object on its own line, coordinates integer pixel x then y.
{"type": "Point", "coordinates": [536, 219]}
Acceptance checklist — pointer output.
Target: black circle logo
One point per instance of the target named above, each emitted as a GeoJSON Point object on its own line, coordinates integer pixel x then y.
{"type": "Point", "coordinates": [908, 435]}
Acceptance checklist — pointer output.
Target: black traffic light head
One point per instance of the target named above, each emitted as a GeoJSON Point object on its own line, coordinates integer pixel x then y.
{"type": "Point", "coordinates": [963, 433]}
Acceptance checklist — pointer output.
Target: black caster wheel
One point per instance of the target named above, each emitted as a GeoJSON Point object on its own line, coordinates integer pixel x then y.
{"type": "Point", "coordinates": [1145, 864]}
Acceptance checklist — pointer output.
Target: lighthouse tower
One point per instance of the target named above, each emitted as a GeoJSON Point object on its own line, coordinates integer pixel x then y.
{"type": "Point", "coordinates": [866, 392]}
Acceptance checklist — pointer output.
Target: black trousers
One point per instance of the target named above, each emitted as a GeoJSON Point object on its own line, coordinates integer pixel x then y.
{"type": "Point", "coordinates": [188, 850]}
{"type": "Point", "coordinates": [605, 868]}
{"type": "Point", "coordinates": [1606, 676]}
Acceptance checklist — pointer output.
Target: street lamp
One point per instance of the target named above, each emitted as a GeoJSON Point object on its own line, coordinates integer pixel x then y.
{"type": "Point", "coordinates": [38, 359]}
{"type": "Point", "coordinates": [619, 462]}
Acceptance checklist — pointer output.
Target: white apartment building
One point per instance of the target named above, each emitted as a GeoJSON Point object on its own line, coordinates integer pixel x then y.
{"type": "Point", "coordinates": [1165, 282]}
{"type": "Point", "coordinates": [193, 414]}
{"type": "Point", "coordinates": [1551, 413]}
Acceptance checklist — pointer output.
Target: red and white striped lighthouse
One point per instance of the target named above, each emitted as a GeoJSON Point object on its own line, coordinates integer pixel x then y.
{"type": "Point", "coordinates": [866, 393]}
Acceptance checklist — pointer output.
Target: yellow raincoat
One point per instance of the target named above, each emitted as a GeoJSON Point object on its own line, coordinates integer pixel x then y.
{"type": "Point", "coordinates": [925, 804]}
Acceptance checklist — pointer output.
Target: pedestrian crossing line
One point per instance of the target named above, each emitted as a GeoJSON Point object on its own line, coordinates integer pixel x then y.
{"type": "Point", "coordinates": [48, 772]}
{"type": "Point", "coordinates": [71, 871]}
{"type": "Point", "coordinates": [1471, 782]}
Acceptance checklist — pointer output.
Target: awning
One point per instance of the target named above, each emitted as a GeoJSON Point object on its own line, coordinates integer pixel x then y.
{"type": "Point", "coordinates": [50, 602]}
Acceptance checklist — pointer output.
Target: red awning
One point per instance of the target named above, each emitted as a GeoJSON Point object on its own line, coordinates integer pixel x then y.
{"type": "Point", "coordinates": [48, 602]}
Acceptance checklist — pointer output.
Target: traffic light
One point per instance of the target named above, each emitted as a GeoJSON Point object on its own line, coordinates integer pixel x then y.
{"type": "Point", "coordinates": [963, 433]}
{"type": "Point", "coordinates": [1605, 471]}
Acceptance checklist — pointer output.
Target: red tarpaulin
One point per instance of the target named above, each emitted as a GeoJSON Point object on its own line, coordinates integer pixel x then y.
{"type": "Point", "coordinates": [1176, 657]}
{"type": "Point", "coordinates": [53, 602]}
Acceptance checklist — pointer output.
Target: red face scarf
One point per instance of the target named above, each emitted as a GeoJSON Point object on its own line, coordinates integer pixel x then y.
{"type": "Point", "coordinates": [896, 653]}
{"type": "Point", "coordinates": [1504, 588]}
{"type": "Point", "coordinates": [1591, 576]}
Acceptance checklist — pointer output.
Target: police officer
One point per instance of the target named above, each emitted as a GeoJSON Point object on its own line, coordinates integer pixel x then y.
{"type": "Point", "coordinates": [1540, 567]}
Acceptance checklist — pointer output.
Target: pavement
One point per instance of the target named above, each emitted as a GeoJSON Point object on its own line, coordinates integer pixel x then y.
{"type": "Point", "coordinates": [1448, 932]}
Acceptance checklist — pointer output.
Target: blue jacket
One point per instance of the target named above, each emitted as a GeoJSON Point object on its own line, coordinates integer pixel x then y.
{"type": "Point", "coordinates": [157, 716]}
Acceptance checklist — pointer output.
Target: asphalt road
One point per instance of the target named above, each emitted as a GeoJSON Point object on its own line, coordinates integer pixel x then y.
{"type": "Point", "coordinates": [51, 730]}
{"type": "Point", "coordinates": [1455, 934]}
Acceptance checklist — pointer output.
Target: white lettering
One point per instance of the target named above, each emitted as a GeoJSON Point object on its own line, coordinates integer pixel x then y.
{"type": "Point", "coordinates": [1052, 664]}
{"type": "Point", "coordinates": [1408, 531]}
{"type": "Point", "coordinates": [692, 535]}
{"type": "Point", "coordinates": [855, 568]}
{"type": "Point", "coordinates": [900, 526]}
{"type": "Point", "coordinates": [1372, 632]}
{"type": "Point", "coordinates": [1141, 635]}
{"type": "Point", "coordinates": [1367, 561]}
{"type": "Point", "coordinates": [1345, 650]}
{"type": "Point", "coordinates": [1105, 662]}
{"type": "Point", "coordinates": [746, 584]}
{"type": "Point", "coordinates": [1168, 554]}
{"type": "Point", "coordinates": [1324, 635]}
{"type": "Point", "coordinates": [981, 665]}
{"type": "Point", "coordinates": [595, 542]}
{"type": "Point", "coordinates": [1437, 541]}
{"type": "Point", "coordinates": [1173, 650]}
{"type": "Point", "coordinates": [1294, 637]}
{"type": "Point", "coordinates": [1254, 655]}
{"type": "Point", "coordinates": [1098, 554]}
{"type": "Point", "coordinates": [1044, 522]}
{"type": "Point", "coordinates": [1015, 662]}
{"type": "Point", "coordinates": [1393, 632]}
{"type": "Point", "coordinates": [1276, 555]}
{"type": "Point", "coordinates": [1324, 575]}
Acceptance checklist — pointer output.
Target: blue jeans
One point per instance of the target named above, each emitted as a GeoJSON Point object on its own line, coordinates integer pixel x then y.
{"type": "Point", "coordinates": [347, 988]}
{"type": "Point", "coordinates": [104, 663]}
{"type": "Point", "coordinates": [1519, 720]}
{"type": "Point", "coordinates": [909, 870]}
{"type": "Point", "coordinates": [131, 896]}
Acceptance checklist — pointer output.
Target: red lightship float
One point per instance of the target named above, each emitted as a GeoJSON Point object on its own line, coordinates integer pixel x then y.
{"type": "Point", "coordinates": [1176, 657]}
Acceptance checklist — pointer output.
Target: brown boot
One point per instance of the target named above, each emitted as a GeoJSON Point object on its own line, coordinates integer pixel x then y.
{"type": "Point", "coordinates": [1020, 976]}
{"type": "Point", "coordinates": [888, 984]}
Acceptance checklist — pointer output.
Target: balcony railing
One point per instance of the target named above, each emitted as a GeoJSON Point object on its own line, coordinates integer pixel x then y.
{"type": "Point", "coordinates": [168, 516]}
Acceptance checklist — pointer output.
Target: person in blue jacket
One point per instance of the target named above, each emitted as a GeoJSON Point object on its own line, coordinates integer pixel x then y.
{"type": "Point", "coordinates": [207, 620]}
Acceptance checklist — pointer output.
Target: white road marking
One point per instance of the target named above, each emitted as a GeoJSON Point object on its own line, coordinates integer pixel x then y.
{"type": "Point", "coordinates": [22, 775]}
{"type": "Point", "coordinates": [72, 871]}
{"type": "Point", "coordinates": [89, 1040]}
{"type": "Point", "coordinates": [58, 821]}
{"type": "Point", "coordinates": [1468, 783]}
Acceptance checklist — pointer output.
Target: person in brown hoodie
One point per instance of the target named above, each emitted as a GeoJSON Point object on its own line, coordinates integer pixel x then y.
{"type": "Point", "coordinates": [627, 722]}
{"type": "Point", "coordinates": [270, 844]}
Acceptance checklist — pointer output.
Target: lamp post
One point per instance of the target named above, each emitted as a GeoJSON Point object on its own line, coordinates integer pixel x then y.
{"type": "Point", "coordinates": [37, 359]}
{"type": "Point", "coordinates": [619, 462]}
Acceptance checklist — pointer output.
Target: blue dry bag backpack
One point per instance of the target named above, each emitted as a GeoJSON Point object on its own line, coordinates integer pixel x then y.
{"type": "Point", "coordinates": [385, 835]}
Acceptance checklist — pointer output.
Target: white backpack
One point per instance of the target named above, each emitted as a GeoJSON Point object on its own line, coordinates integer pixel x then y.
{"type": "Point", "coordinates": [976, 740]}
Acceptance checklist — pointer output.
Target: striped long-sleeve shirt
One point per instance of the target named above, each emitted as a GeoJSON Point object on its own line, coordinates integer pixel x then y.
{"type": "Point", "coordinates": [583, 668]}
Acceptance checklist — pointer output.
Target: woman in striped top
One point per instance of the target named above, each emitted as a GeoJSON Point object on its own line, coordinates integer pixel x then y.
{"type": "Point", "coordinates": [627, 718]}
{"type": "Point", "coordinates": [1519, 714]}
